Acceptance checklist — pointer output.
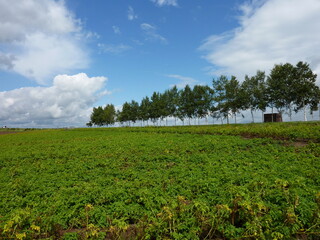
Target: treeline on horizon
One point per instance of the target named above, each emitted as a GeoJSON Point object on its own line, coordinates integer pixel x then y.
{"type": "Point", "coordinates": [287, 88]}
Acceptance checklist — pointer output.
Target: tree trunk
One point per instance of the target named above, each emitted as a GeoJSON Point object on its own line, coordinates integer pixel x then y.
{"type": "Point", "coordinates": [290, 113]}
{"type": "Point", "coordinates": [235, 118]}
{"type": "Point", "coordinates": [252, 115]}
{"type": "Point", "coordinates": [304, 112]}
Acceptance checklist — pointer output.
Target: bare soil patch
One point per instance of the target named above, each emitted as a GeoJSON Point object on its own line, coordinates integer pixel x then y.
{"type": "Point", "coordinates": [6, 132]}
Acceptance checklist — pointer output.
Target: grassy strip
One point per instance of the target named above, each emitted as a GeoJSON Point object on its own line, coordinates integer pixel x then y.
{"type": "Point", "coordinates": [294, 131]}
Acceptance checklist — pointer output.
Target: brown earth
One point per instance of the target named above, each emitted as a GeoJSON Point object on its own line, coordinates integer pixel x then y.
{"type": "Point", "coordinates": [6, 132]}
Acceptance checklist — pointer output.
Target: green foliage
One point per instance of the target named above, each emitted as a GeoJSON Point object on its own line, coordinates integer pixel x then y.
{"type": "Point", "coordinates": [202, 100]}
{"type": "Point", "coordinates": [161, 183]}
{"type": "Point", "coordinates": [102, 116]}
{"type": "Point", "coordinates": [254, 93]}
{"type": "Point", "coordinates": [306, 91]}
{"type": "Point", "coordinates": [280, 86]}
{"type": "Point", "coordinates": [290, 86]}
{"type": "Point", "coordinates": [187, 106]}
{"type": "Point", "coordinates": [287, 88]}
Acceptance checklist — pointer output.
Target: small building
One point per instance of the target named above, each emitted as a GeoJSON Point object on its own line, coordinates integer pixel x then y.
{"type": "Point", "coordinates": [272, 117]}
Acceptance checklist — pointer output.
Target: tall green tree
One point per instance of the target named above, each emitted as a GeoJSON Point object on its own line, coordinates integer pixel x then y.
{"type": "Point", "coordinates": [145, 108]}
{"type": "Point", "coordinates": [102, 116]}
{"type": "Point", "coordinates": [235, 97]}
{"type": "Point", "coordinates": [186, 103]}
{"type": "Point", "coordinates": [280, 91]}
{"type": "Point", "coordinates": [202, 97]}
{"type": "Point", "coordinates": [167, 105]}
{"type": "Point", "coordinates": [124, 114]}
{"type": "Point", "coordinates": [219, 109]}
{"type": "Point", "coordinates": [306, 91]}
{"type": "Point", "coordinates": [155, 110]}
{"type": "Point", "coordinates": [133, 111]}
{"type": "Point", "coordinates": [254, 90]}
{"type": "Point", "coordinates": [173, 103]}
{"type": "Point", "coordinates": [163, 106]}
{"type": "Point", "coordinates": [97, 116]}
{"type": "Point", "coordinates": [109, 114]}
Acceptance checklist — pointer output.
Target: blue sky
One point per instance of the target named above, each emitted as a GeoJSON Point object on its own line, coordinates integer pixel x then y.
{"type": "Point", "coordinates": [139, 61]}
{"type": "Point", "coordinates": [58, 59]}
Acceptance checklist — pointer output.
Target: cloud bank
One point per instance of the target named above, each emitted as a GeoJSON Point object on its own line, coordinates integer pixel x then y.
{"type": "Point", "coordinates": [40, 39]}
{"type": "Point", "coordinates": [67, 102]}
{"type": "Point", "coordinates": [270, 32]}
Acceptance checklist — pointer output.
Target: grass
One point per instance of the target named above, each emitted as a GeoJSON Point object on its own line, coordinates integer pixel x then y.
{"type": "Point", "coordinates": [161, 183]}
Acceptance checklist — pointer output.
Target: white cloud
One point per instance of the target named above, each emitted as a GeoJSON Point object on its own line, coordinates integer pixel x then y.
{"type": "Point", "coordinates": [161, 3]}
{"type": "Point", "coordinates": [113, 48]}
{"type": "Point", "coordinates": [67, 102]}
{"type": "Point", "coordinates": [147, 27]}
{"type": "Point", "coordinates": [270, 32]}
{"type": "Point", "coordinates": [40, 39]}
{"type": "Point", "coordinates": [89, 35]}
{"type": "Point", "coordinates": [21, 17]}
{"type": "Point", "coordinates": [131, 14]}
{"type": "Point", "coordinates": [151, 34]}
{"type": "Point", "coordinates": [183, 81]}
{"type": "Point", "coordinates": [43, 56]}
{"type": "Point", "coordinates": [116, 29]}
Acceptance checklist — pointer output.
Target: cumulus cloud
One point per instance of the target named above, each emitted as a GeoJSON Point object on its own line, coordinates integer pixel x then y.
{"type": "Point", "coordinates": [151, 34]}
{"type": "Point", "coordinates": [183, 81]}
{"type": "Point", "coordinates": [131, 14]}
{"type": "Point", "coordinates": [270, 32]}
{"type": "Point", "coordinates": [67, 102]}
{"type": "Point", "coordinates": [40, 39]}
{"type": "Point", "coordinates": [161, 3]}
{"type": "Point", "coordinates": [43, 56]}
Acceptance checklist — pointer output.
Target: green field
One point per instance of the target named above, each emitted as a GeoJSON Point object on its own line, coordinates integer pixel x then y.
{"type": "Point", "coordinates": [255, 181]}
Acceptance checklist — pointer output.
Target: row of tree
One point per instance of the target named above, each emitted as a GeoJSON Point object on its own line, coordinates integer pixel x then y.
{"type": "Point", "coordinates": [287, 88]}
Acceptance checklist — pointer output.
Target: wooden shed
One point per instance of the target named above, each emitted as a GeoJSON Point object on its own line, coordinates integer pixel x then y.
{"type": "Point", "coordinates": [272, 117]}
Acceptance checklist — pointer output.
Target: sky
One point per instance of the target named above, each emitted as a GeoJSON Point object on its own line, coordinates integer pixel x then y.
{"type": "Point", "coordinates": [59, 59]}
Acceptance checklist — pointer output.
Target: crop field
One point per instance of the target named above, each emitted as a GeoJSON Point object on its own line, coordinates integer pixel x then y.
{"type": "Point", "coordinates": [255, 181]}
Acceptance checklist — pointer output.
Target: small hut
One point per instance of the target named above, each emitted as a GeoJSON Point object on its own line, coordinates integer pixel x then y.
{"type": "Point", "coordinates": [272, 117]}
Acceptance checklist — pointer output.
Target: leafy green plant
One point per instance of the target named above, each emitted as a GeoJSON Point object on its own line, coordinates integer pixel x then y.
{"type": "Point", "coordinates": [161, 183]}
